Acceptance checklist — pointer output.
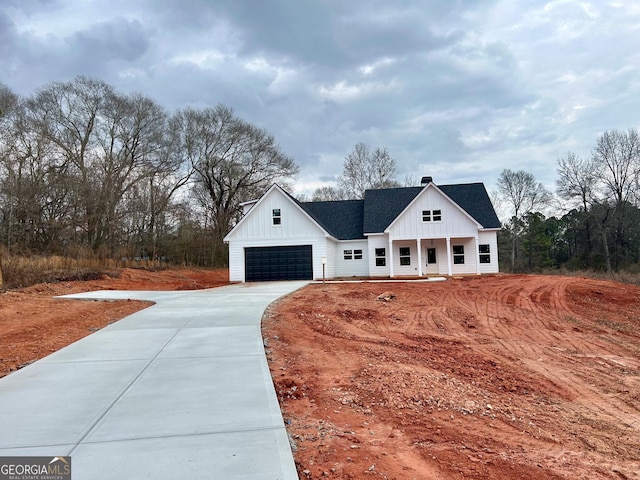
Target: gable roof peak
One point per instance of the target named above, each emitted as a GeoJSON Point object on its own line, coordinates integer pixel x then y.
{"type": "Point", "coordinates": [382, 206]}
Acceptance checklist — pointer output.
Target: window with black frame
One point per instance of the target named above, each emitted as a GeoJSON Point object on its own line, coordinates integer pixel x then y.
{"type": "Point", "coordinates": [485, 253]}
{"type": "Point", "coordinates": [458, 254]}
{"type": "Point", "coordinates": [405, 256]}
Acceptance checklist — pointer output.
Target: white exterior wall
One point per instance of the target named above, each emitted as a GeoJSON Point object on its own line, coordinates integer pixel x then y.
{"type": "Point", "coordinates": [236, 262]}
{"type": "Point", "coordinates": [470, 256]}
{"type": "Point", "coordinates": [351, 268]}
{"type": "Point", "coordinates": [490, 238]}
{"type": "Point", "coordinates": [454, 223]}
{"type": "Point", "coordinates": [297, 228]}
{"type": "Point", "coordinates": [405, 270]}
{"type": "Point", "coordinates": [257, 230]}
{"type": "Point", "coordinates": [378, 241]}
{"type": "Point", "coordinates": [441, 266]}
{"type": "Point", "coordinates": [332, 248]}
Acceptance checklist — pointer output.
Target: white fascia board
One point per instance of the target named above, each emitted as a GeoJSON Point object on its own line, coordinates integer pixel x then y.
{"type": "Point", "coordinates": [244, 218]}
{"type": "Point", "coordinates": [261, 199]}
{"type": "Point", "coordinates": [326, 234]}
{"type": "Point", "coordinates": [415, 199]}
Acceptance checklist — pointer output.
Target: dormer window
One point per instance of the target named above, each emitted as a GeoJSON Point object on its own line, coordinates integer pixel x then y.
{"type": "Point", "coordinates": [276, 216]}
{"type": "Point", "coordinates": [431, 215]}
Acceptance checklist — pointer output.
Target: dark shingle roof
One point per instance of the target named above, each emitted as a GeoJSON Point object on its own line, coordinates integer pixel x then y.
{"type": "Point", "coordinates": [341, 219]}
{"type": "Point", "coordinates": [382, 206]}
{"type": "Point", "coordinates": [351, 219]}
{"type": "Point", "coordinates": [473, 198]}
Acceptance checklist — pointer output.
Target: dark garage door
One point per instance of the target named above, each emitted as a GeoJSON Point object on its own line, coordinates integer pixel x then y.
{"type": "Point", "coordinates": [278, 263]}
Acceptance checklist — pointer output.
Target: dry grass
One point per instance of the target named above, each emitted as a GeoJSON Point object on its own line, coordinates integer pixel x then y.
{"type": "Point", "coordinates": [18, 271]}
{"type": "Point", "coordinates": [631, 277]}
{"type": "Point", "coordinates": [22, 271]}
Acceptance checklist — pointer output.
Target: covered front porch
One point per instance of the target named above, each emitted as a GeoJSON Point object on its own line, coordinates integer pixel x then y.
{"type": "Point", "coordinates": [434, 256]}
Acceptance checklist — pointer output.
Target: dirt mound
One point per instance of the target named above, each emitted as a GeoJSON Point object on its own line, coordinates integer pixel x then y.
{"type": "Point", "coordinates": [506, 377]}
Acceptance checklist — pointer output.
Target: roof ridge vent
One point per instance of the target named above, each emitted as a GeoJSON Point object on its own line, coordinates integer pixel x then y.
{"type": "Point", "coordinates": [426, 180]}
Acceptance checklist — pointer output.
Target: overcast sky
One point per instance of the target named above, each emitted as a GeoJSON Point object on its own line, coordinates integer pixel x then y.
{"type": "Point", "coordinates": [455, 89]}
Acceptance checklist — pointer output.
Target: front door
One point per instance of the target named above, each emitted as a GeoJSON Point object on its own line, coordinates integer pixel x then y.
{"type": "Point", "coordinates": [431, 261]}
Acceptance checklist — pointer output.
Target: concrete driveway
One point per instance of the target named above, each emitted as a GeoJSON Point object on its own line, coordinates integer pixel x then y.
{"type": "Point", "coordinates": [179, 390]}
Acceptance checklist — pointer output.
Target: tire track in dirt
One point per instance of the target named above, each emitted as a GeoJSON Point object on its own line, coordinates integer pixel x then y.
{"type": "Point", "coordinates": [495, 377]}
{"type": "Point", "coordinates": [546, 303]}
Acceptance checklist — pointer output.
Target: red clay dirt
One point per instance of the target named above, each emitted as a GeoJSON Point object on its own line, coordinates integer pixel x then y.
{"type": "Point", "coordinates": [33, 324]}
{"type": "Point", "coordinates": [494, 377]}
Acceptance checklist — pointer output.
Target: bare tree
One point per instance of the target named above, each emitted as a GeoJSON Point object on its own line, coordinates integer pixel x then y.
{"type": "Point", "coordinates": [30, 193]}
{"type": "Point", "coordinates": [579, 184]}
{"type": "Point", "coordinates": [578, 180]}
{"type": "Point", "coordinates": [523, 194]}
{"type": "Point", "coordinates": [617, 154]}
{"type": "Point", "coordinates": [233, 161]}
{"type": "Point", "coordinates": [412, 181]}
{"type": "Point", "coordinates": [328, 193]}
{"type": "Point", "coordinates": [499, 204]}
{"type": "Point", "coordinates": [364, 169]}
{"type": "Point", "coordinates": [107, 142]}
{"type": "Point", "coordinates": [8, 100]}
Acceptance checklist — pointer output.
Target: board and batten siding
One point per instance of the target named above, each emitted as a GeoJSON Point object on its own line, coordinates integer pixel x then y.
{"type": "Point", "coordinates": [490, 238]}
{"type": "Point", "coordinates": [454, 223]}
{"type": "Point", "coordinates": [378, 241]}
{"type": "Point", "coordinates": [257, 230]}
{"type": "Point", "coordinates": [405, 270]}
{"type": "Point", "coordinates": [352, 267]}
{"type": "Point", "coordinates": [330, 268]}
{"type": "Point", "coordinates": [470, 264]}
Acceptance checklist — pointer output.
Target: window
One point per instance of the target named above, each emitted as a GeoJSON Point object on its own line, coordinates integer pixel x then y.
{"type": "Point", "coordinates": [458, 254]}
{"type": "Point", "coordinates": [405, 256]}
{"type": "Point", "coordinates": [276, 216]}
{"type": "Point", "coordinates": [352, 254]}
{"type": "Point", "coordinates": [431, 215]}
{"type": "Point", "coordinates": [381, 257]}
{"type": "Point", "coordinates": [485, 253]}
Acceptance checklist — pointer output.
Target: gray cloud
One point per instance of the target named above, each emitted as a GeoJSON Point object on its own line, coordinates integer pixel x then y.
{"type": "Point", "coordinates": [459, 89]}
{"type": "Point", "coordinates": [118, 39]}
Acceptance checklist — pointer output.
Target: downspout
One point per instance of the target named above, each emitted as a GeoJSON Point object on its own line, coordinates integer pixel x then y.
{"type": "Point", "coordinates": [390, 257]}
{"type": "Point", "coordinates": [449, 256]}
{"type": "Point", "coordinates": [419, 257]}
{"type": "Point", "coordinates": [477, 255]}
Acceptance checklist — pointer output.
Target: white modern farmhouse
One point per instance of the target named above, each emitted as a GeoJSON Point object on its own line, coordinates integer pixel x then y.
{"type": "Point", "coordinates": [392, 232]}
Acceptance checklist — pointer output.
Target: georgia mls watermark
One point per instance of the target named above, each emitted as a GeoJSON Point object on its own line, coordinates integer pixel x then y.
{"type": "Point", "coordinates": [35, 468]}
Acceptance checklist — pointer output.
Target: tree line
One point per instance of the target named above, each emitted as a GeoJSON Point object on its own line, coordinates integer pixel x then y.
{"type": "Point", "coordinates": [88, 171]}
{"type": "Point", "coordinates": [591, 221]}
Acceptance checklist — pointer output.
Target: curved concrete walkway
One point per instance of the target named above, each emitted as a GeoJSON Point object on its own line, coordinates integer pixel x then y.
{"type": "Point", "coordinates": [178, 390]}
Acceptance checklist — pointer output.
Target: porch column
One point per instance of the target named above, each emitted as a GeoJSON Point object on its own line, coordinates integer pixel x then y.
{"type": "Point", "coordinates": [390, 257]}
{"type": "Point", "coordinates": [477, 256]}
{"type": "Point", "coordinates": [419, 257]}
{"type": "Point", "coordinates": [449, 256]}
